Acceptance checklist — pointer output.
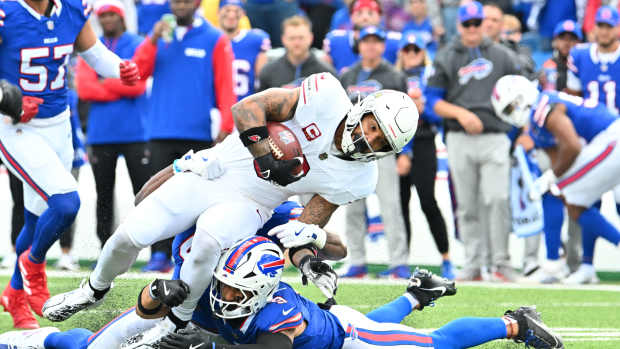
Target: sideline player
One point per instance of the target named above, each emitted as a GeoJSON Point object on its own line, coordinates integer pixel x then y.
{"type": "Point", "coordinates": [248, 305]}
{"type": "Point", "coordinates": [242, 179]}
{"type": "Point", "coordinates": [580, 173]}
{"type": "Point", "coordinates": [36, 39]}
{"type": "Point", "coordinates": [249, 46]}
{"type": "Point", "coordinates": [594, 68]}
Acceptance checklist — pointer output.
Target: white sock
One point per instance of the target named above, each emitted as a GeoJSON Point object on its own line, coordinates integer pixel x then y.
{"type": "Point", "coordinates": [120, 329]}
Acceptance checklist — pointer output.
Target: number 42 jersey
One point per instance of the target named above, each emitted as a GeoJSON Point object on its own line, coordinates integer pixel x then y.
{"type": "Point", "coordinates": [35, 49]}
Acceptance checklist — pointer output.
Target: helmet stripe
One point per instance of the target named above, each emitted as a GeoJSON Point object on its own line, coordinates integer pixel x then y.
{"type": "Point", "coordinates": [241, 250]}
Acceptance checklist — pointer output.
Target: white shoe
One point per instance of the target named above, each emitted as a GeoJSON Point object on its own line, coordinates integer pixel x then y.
{"type": "Point", "coordinates": [584, 275]}
{"type": "Point", "coordinates": [8, 261]}
{"type": "Point", "coordinates": [551, 272]}
{"type": "Point", "coordinates": [152, 337]}
{"type": "Point", "coordinates": [62, 306]}
{"type": "Point", "coordinates": [31, 339]}
{"type": "Point", "coordinates": [67, 262]}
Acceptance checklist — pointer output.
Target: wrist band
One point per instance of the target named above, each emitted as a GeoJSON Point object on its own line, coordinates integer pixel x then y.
{"type": "Point", "coordinates": [254, 135]}
{"type": "Point", "coordinates": [141, 307]}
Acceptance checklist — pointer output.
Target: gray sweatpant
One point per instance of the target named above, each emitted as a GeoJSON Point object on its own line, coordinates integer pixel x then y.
{"type": "Point", "coordinates": [480, 169]}
{"type": "Point", "coordinates": [388, 192]}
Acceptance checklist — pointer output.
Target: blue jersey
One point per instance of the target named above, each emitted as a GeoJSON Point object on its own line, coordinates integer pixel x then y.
{"type": "Point", "coordinates": [588, 119]}
{"type": "Point", "coordinates": [246, 47]}
{"type": "Point", "coordinates": [425, 30]}
{"type": "Point", "coordinates": [339, 45]}
{"type": "Point", "coordinates": [599, 77]}
{"type": "Point", "coordinates": [286, 310]}
{"type": "Point", "coordinates": [35, 50]}
{"type": "Point", "coordinates": [149, 12]}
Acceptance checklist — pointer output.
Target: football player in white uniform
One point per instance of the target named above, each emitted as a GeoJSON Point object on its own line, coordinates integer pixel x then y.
{"type": "Point", "coordinates": [241, 179]}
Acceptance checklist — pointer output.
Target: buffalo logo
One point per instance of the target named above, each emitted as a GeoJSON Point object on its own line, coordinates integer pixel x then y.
{"type": "Point", "coordinates": [364, 89]}
{"type": "Point", "coordinates": [478, 69]}
{"type": "Point", "coordinates": [270, 264]}
{"type": "Point", "coordinates": [413, 83]}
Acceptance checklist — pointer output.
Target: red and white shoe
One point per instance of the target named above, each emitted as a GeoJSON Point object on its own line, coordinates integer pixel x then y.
{"type": "Point", "coordinates": [35, 282]}
{"type": "Point", "coordinates": [14, 301]}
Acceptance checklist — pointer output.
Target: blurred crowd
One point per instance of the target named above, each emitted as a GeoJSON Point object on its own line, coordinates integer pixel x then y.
{"type": "Point", "coordinates": [200, 57]}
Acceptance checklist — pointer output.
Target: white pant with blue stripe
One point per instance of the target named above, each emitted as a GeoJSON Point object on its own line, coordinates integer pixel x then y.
{"type": "Point", "coordinates": [40, 154]}
{"type": "Point", "coordinates": [364, 333]}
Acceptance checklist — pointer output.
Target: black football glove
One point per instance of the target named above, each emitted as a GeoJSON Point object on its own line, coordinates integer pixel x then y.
{"type": "Point", "coordinates": [321, 275]}
{"type": "Point", "coordinates": [10, 101]}
{"type": "Point", "coordinates": [169, 292]}
{"type": "Point", "coordinates": [187, 338]}
{"type": "Point", "coordinates": [277, 171]}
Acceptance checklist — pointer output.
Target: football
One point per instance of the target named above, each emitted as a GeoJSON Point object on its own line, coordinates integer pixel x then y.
{"type": "Point", "coordinates": [284, 144]}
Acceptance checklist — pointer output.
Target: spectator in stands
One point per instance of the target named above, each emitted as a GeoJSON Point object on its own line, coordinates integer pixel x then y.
{"type": "Point", "coordinates": [465, 72]}
{"type": "Point", "coordinates": [542, 19]}
{"type": "Point", "coordinates": [298, 62]}
{"type": "Point", "coordinates": [554, 73]}
{"type": "Point", "coordinates": [341, 46]}
{"type": "Point", "coordinates": [249, 47]}
{"type": "Point", "coordinates": [449, 16]}
{"type": "Point", "coordinates": [493, 27]}
{"type": "Point", "coordinates": [211, 11]}
{"type": "Point", "coordinates": [369, 75]}
{"type": "Point", "coordinates": [421, 23]}
{"type": "Point", "coordinates": [417, 165]}
{"type": "Point", "coordinates": [116, 124]}
{"type": "Point", "coordinates": [17, 218]}
{"type": "Point", "coordinates": [189, 106]}
{"type": "Point", "coordinates": [268, 15]}
{"type": "Point", "coordinates": [149, 13]}
{"type": "Point", "coordinates": [341, 19]}
{"type": "Point", "coordinates": [320, 14]}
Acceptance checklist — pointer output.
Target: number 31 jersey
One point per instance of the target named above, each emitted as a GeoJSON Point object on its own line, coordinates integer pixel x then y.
{"type": "Point", "coordinates": [35, 49]}
{"type": "Point", "coordinates": [597, 75]}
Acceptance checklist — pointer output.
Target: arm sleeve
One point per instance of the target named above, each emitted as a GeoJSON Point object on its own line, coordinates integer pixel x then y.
{"type": "Point", "coordinates": [116, 86]}
{"type": "Point", "coordinates": [105, 62]}
{"type": "Point", "coordinates": [223, 82]}
{"type": "Point", "coordinates": [433, 94]}
{"type": "Point", "coordinates": [145, 58]}
{"type": "Point", "coordinates": [88, 86]}
{"type": "Point", "coordinates": [265, 340]}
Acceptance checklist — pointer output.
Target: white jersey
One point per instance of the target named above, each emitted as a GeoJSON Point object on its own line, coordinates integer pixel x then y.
{"type": "Point", "coordinates": [322, 105]}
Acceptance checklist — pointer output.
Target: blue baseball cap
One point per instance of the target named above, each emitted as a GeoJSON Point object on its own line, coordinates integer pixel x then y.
{"type": "Point", "coordinates": [470, 10]}
{"type": "Point", "coordinates": [372, 30]}
{"type": "Point", "coordinates": [231, 2]}
{"type": "Point", "coordinates": [412, 38]}
{"type": "Point", "coordinates": [568, 26]}
{"type": "Point", "coordinates": [607, 15]}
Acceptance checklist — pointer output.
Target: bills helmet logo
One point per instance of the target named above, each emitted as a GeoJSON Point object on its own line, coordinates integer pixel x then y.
{"type": "Point", "coordinates": [478, 69]}
{"type": "Point", "coordinates": [270, 264]}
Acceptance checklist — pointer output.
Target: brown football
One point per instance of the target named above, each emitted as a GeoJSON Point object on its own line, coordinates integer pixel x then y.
{"type": "Point", "coordinates": [283, 143]}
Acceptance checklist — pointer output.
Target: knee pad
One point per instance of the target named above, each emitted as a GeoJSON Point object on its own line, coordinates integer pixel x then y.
{"type": "Point", "coordinates": [208, 246]}
{"type": "Point", "coordinates": [67, 205]}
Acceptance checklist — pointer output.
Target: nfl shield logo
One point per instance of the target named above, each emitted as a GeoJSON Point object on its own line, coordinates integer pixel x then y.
{"type": "Point", "coordinates": [50, 25]}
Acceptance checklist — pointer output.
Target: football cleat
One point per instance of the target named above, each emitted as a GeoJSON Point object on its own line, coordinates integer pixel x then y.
{"type": "Point", "coordinates": [64, 305]}
{"type": "Point", "coordinates": [355, 271]}
{"type": "Point", "coordinates": [15, 302]}
{"type": "Point", "coordinates": [584, 275]}
{"type": "Point", "coordinates": [35, 282]}
{"type": "Point", "coordinates": [151, 337]}
{"type": "Point", "coordinates": [427, 287]}
{"type": "Point", "coordinates": [32, 339]}
{"type": "Point", "coordinates": [532, 331]}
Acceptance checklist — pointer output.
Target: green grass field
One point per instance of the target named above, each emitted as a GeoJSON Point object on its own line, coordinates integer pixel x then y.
{"type": "Point", "coordinates": [585, 318]}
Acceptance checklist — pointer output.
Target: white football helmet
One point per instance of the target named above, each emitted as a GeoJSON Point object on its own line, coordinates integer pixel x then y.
{"type": "Point", "coordinates": [397, 117]}
{"type": "Point", "coordinates": [513, 98]}
{"type": "Point", "coordinates": [254, 266]}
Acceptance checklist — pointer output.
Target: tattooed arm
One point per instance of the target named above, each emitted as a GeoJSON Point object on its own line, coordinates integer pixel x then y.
{"type": "Point", "coordinates": [274, 104]}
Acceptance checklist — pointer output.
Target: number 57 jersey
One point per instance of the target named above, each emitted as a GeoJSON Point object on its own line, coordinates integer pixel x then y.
{"type": "Point", "coordinates": [35, 49]}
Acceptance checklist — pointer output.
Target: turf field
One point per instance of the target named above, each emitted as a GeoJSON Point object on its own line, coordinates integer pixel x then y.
{"type": "Point", "coordinates": [587, 317]}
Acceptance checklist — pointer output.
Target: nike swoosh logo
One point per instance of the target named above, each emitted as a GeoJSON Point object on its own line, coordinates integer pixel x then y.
{"type": "Point", "coordinates": [167, 292]}
{"type": "Point", "coordinates": [286, 312]}
{"type": "Point", "coordinates": [439, 288]}
{"type": "Point", "coordinates": [194, 347]}
{"type": "Point", "coordinates": [299, 232]}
